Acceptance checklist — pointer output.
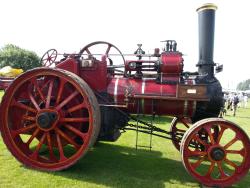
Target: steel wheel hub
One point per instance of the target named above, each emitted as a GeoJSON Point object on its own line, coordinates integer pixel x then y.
{"type": "Point", "coordinates": [46, 120]}
{"type": "Point", "coordinates": [217, 154]}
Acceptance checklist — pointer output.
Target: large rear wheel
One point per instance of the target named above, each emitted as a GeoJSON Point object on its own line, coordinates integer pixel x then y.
{"type": "Point", "coordinates": [49, 118]}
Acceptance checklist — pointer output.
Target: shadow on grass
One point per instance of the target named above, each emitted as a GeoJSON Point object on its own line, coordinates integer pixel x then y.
{"type": "Point", "coordinates": [119, 166]}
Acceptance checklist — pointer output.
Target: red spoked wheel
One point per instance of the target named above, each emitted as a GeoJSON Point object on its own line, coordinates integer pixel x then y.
{"type": "Point", "coordinates": [49, 58]}
{"type": "Point", "coordinates": [49, 118]}
{"type": "Point", "coordinates": [179, 126]}
{"type": "Point", "coordinates": [224, 157]}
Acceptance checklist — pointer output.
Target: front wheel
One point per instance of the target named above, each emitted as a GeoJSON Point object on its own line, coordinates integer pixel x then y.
{"type": "Point", "coordinates": [222, 159]}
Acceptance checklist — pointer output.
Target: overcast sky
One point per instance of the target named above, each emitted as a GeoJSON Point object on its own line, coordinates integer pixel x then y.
{"type": "Point", "coordinates": [68, 25]}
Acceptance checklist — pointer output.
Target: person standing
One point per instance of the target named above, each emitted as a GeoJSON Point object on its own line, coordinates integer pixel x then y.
{"type": "Point", "coordinates": [240, 95]}
{"type": "Point", "coordinates": [235, 103]}
{"type": "Point", "coordinates": [245, 99]}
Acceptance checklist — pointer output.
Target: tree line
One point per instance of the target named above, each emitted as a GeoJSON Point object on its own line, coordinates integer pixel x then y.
{"type": "Point", "coordinates": [16, 57]}
{"type": "Point", "coordinates": [245, 85]}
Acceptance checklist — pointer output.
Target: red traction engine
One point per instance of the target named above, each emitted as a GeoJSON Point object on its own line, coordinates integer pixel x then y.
{"type": "Point", "coordinates": [51, 116]}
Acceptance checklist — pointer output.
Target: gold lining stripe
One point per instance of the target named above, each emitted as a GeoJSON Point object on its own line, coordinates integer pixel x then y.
{"type": "Point", "coordinates": [115, 90]}
{"type": "Point", "coordinates": [142, 92]}
{"type": "Point", "coordinates": [208, 6]}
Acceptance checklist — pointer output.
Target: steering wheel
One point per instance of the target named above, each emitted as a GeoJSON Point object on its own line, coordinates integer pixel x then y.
{"type": "Point", "coordinates": [49, 58]}
{"type": "Point", "coordinates": [86, 49]}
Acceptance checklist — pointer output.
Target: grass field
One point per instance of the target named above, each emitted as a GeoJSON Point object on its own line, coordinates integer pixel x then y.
{"type": "Point", "coordinates": [116, 164]}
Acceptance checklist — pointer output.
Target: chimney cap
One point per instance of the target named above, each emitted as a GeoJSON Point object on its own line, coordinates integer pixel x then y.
{"type": "Point", "coordinates": [207, 6]}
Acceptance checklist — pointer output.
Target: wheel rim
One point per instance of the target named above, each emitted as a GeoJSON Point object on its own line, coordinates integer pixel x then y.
{"type": "Point", "coordinates": [220, 162]}
{"type": "Point", "coordinates": [48, 121]}
{"type": "Point", "coordinates": [178, 127]}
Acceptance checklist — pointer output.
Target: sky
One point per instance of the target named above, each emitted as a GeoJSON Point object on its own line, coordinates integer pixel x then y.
{"type": "Point", "coordinates": [69, 25]}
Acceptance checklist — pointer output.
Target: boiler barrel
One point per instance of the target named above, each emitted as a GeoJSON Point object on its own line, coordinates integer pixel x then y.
{"type": "Point", "coordinates": [145, 96]}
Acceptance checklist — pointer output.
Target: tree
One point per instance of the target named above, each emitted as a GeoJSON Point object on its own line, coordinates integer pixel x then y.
{"type": "Point", "coordinates": [16, 57]}
{"type": "Point", "coordinates": [245, 85]}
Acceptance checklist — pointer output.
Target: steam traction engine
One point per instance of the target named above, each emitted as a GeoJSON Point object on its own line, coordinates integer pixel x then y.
{"type": "Point", "coordinates": [51, 116]}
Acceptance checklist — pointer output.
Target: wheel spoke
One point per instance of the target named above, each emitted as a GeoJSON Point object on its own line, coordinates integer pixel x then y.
{"type": "Point", "coordinates": [197, 163]}
{"type": "Point", "coordinates": [241, 152]}
{"type": "Point", "coordinates": [50, 148]}
{"type": "Point", "coordinates": [22, 130]}
{"type": "Point", "coordinates": [63, 135]}
{"type": "Point", "coordinates": [34, 82]}
{"type": "Point", "coordinates": [80, 120]}
{"type": "Point", "coordinates": [77, 107]}
{"type": "Point", "coordinates": [32, 136]}
{"type": "Point", "coordinates": [210, 170]}
{"type": "Point", "coordinates": [208, 130]}
{"type": "Point", "coordinates": [60, 90]}
{"type": "Point", "coordinates": [108, 49]}
{"type": "Point", "coordinates": [195, 153]}
{"type": "Point", "coordinates": [23, 106]}
{"type": "Point", "coordinates": [220, 134]}
{"type": "Point", "coordinates": [230, 163]}
{"type": "Point", "coordinates": [71, 96]}
{"type": "Point", "coordinates": [49, 94]}
{"type": "Point", "coordinates": [87, 50]}
{"type": "Point", "coordinates": [28, 118]}
{"type": "Point", "coordinates": [34, 101]}
{"type": "Point", "coordinates": [60, 148]}
{"type": "Point", "coordinates": [45, 84]}
{"type": "Point", "coordinates": [222, 173]}
{"type": "Point", "coordinates": [34, 155]}
{"type": "Point", "coordinates": [76, 131]}
{"type": "Point", "coordinates": [231, 142]}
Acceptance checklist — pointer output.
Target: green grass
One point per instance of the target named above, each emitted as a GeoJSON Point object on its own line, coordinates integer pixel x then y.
{"type": "Point", "coordinates": [116, 164]}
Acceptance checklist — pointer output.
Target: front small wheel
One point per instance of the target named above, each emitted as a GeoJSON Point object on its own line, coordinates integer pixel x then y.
{"type": "Point", "coordinates": [179, 126]}
{"type": "Point", "coordinates": [222, 158]}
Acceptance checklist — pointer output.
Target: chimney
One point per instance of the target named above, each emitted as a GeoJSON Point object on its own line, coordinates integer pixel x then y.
{"type": "Point", "coordinates": [206, 19]}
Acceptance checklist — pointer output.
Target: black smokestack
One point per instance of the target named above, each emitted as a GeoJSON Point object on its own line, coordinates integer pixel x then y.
{"type": "Point", "coordinates": [206, 16]}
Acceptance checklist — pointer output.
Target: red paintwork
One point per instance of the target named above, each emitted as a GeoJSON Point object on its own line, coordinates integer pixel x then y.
{"type": "Point", "coordinates": [69, 64]}
{"type": "Point", "coordinates": [99, 80]}
{"type": "Point", "coordinates": [173, 106]}
{"type": "Point", "coordinates": [96, 77]}
{"type": "Point", "coordinates": [171, 63]}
